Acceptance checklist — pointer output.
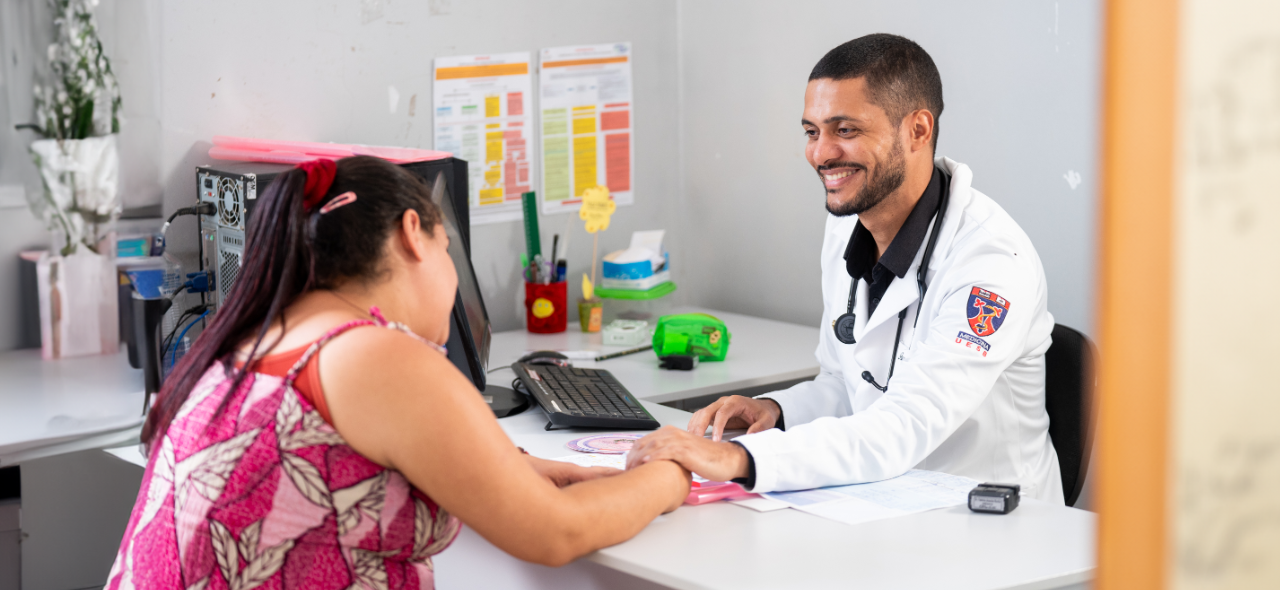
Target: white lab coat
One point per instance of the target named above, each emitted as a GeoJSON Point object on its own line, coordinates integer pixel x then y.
{"type": "Point", "coordinates": [949, 407]}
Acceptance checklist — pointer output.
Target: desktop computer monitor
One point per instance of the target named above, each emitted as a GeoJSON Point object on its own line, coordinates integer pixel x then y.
{"type": "Point", "coordinates": [469, 330]}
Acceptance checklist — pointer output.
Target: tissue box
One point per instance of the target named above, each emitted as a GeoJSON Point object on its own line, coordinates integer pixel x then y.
{"type": "Point", "coordinates": [634, 276]}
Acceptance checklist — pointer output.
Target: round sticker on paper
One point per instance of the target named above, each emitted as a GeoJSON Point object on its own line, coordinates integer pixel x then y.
{"type": "Point", "coordinates": [608, 444]}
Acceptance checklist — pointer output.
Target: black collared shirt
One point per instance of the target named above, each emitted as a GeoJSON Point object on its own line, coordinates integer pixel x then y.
{"type": "Point", "coordinates": [860, 254]}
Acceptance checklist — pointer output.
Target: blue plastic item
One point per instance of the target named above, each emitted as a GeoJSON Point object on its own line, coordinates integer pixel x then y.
{"type": "Point", "coordinates": [631, 271]}
{"type": "Point", "coordinates": [147, 281]}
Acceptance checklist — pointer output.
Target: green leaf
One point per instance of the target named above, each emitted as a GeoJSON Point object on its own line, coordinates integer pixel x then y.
{"type": "Point", "coordinates": [84, 120]}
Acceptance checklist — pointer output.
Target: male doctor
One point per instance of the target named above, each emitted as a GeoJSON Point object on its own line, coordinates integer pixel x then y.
{"type": "Point", "coordinates": [941, 370]}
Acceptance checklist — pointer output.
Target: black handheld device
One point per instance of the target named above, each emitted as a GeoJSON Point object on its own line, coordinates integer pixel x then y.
{"type": "Point", "coordinates": [994, 498]}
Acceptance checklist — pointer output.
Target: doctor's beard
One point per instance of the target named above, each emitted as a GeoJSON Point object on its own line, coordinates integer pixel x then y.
{"type": "Point", "coordinates": [889, 175]}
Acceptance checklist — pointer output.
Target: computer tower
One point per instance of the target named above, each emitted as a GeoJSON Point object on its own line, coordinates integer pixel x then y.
{"type": "Point", "coordinates": [233, 189]}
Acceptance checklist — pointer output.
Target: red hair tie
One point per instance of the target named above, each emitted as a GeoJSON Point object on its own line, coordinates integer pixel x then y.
{"type": "Point", "coordinates": [320, 175]}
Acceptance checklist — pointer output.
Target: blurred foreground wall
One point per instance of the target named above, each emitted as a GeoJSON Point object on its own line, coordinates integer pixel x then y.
{"type": "Point", "coordinates": [1189, 484]}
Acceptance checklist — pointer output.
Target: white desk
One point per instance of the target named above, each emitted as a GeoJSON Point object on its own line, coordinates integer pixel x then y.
{"type": "Point", "coordinates": [49, 408]}
{"type": "Point", "coordinates": [75, 505]}
{"type": "Point", "coordinates": [719, 545]}
{"type": "Point", "coordinates": [762, 353]}
{"type": "Point", "coordinates": [53, 408]}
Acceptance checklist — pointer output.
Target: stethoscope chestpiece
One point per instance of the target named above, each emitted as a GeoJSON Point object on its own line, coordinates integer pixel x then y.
{"type": "Point", "coordinates": [843, 327]}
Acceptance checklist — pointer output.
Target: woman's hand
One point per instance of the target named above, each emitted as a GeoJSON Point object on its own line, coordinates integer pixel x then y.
{"type": "Point", "coordinates": [562, 474]}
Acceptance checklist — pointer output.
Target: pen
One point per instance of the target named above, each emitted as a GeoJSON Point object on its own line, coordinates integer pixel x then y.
{"type": "Point", "coordinates": [555, 245]}
{"type": "Point", "coordinates": [614, 355]}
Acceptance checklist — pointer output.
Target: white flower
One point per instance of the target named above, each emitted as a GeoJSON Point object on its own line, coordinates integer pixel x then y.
{"type": "Point", "coordinates": [62, 96]}
{"type": "Point", "coordinates": [53, 52]}
{"type": "Point", "coordinates": [66, 110]}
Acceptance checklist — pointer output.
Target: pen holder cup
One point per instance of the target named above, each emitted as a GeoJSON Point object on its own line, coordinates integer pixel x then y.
{"type": "Point", "coordinates": [545, 307]}
{"type": "Point", "coordinates": [590, 315]}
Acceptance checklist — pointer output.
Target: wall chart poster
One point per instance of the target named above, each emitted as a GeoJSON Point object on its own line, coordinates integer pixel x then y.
{"type": "Point", "coordinates": [481, 115]}
{"type": "Point", "coordinates": [585, 98]}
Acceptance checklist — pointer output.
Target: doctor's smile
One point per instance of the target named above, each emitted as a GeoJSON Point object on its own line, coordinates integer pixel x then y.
{"type": "Point", "coordinates": [837, 176]}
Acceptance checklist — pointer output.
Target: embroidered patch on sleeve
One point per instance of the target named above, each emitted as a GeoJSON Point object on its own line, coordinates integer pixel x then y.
{"type": "Point", "coordinates": [974, 342]}
{"type": "Point", "coordinates": [987, 311]}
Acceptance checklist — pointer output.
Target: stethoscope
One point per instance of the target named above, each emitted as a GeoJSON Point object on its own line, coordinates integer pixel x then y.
{"type": "Point", "coordinates": [844, 324]}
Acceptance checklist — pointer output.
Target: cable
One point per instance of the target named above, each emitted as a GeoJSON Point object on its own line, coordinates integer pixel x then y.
{"type": "Point", "coordinates": [177, 324]}
{"type": "Point", "coordinates": [173, 359]}
{"type": "Point", "coordinates": [518, 387]}
{"type": "Point", "coordinates": [197, 282]}
{"type": "Point", "coordinates": [201, 209]}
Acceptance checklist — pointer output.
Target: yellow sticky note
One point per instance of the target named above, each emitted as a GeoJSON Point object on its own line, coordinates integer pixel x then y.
{"type": "Point", "coordinates": [588, 291]}
{"type": "Point", "coordinates": [596, 209]}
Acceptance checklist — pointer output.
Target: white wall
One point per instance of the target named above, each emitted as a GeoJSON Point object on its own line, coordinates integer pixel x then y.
{"type": "Point", "coordinates": [1020, 83]}
{"type": "Point", "coordinates": [719, 89]}
{"type": "Point", "coordinates": [319, 72]}
{"type": "Point", "coordinates": [19, 230]}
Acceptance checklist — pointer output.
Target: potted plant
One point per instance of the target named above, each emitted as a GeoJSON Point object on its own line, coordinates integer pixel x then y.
{"type": "Point", "coordinates": [77, 107]}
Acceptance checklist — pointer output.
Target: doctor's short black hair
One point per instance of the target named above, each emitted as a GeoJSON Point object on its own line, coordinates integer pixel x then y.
{"type": "Point", "coordinates": [901, 76]}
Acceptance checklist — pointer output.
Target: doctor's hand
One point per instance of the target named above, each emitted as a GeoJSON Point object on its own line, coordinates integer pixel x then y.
{"type": "Point", "coordinates": [735, 411]}
{"type": "Point", "coordinates": [716, 461]}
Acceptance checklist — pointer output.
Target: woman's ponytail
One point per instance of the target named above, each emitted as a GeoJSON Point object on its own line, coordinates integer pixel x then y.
{"type": "Point", "coordinates": [276, 269]}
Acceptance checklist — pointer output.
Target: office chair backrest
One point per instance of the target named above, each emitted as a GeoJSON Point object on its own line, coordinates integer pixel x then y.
{"type": "Point", "coordinates": [1069, 386]}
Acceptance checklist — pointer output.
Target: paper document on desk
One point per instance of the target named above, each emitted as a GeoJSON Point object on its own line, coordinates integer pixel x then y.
{"type": "Point", "coordinates": [595, 460]}
{"type": "Point", "coordinates": [915, 491]}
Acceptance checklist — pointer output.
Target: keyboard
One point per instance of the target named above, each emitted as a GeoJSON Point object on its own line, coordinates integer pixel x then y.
{"type": "Point", "coordinates": [590, 398]}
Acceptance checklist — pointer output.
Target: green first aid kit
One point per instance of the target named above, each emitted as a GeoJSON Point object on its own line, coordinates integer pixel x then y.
{"type": "Point", "coordinates": [697, 334]}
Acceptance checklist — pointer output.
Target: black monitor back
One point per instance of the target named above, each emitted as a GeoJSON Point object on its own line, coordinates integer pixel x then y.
{"type": "Point", "coordinates": [469, 330]}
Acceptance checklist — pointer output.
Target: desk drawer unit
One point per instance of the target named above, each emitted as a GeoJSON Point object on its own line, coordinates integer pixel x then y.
{"type": "Point", "coordinates": [10, 544]}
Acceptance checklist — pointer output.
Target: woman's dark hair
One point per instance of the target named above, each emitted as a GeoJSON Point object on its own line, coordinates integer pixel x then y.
{"type": "Point", "coordinates": [290, 250]}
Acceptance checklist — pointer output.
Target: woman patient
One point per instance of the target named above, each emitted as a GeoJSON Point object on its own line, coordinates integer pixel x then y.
{"type": "Point", "coordinates": [316, 436]}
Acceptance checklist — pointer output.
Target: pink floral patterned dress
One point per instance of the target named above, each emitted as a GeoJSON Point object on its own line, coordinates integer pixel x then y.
{"type": "Point", "coordinates": [268, 495]}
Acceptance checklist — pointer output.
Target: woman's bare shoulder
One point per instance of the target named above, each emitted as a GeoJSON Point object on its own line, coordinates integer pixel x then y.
{"type": "Point", "coordinates": [380, 356]}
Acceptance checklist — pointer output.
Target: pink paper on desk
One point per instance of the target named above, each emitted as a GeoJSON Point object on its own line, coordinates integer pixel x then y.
{"type": "Point", "coordinates": [248, 149]}
{"type": "Point", "coordinates": [714, 491]}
